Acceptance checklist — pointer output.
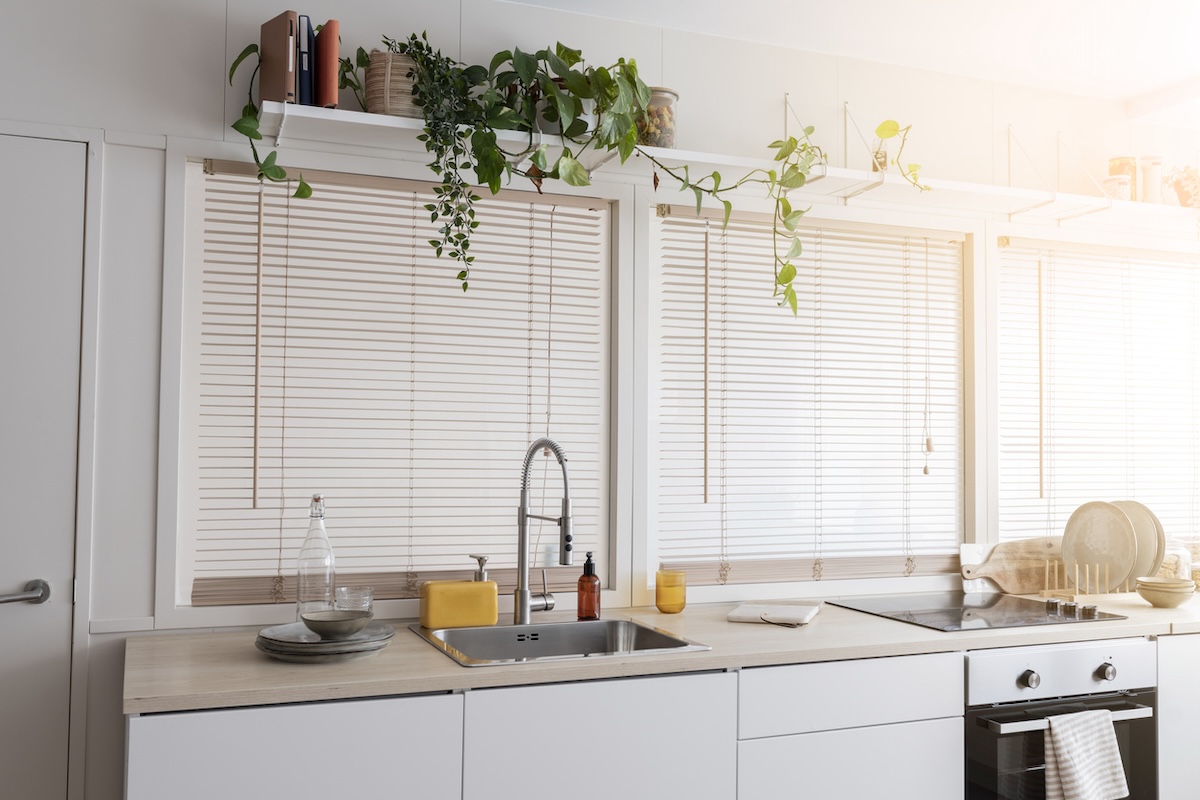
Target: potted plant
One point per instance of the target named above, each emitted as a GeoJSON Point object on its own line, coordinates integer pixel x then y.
{"type": "Point", "coordinates": [596, 107]}
{"type": "Point", "coordinates": [887, 130]}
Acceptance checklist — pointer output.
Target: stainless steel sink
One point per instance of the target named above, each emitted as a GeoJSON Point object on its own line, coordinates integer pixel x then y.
{"type": "Point", "coordinates": [552, 641]}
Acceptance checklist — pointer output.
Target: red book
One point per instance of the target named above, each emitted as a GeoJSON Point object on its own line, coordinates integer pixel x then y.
{"type": "Point", "coordinates": [325, 65]}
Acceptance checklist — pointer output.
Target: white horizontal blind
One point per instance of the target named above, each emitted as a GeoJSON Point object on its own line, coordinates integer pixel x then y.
{"type": "Point", "coordinates": [815, 424]}
{"type": "Point", "coordinates": [359, 368]}
{"type": "Point", "coordinates": [1099, 387]}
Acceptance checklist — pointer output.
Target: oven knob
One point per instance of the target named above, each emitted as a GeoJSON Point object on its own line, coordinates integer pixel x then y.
{"type": "Point", "coordinates": [1029, 679]}
{"type": "Point", "coordinates": [1106, 672]}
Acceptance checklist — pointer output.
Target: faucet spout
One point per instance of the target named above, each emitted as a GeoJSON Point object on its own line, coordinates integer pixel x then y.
{"type": "Point", "coordinates": [525, 602]}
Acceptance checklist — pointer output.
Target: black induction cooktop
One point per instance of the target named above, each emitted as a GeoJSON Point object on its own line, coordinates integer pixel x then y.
{"type": "Point", "coordinates": [964, 611]}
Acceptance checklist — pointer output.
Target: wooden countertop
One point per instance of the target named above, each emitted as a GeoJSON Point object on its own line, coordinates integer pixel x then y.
{"type": "Point", "coordinates": [187, 671]}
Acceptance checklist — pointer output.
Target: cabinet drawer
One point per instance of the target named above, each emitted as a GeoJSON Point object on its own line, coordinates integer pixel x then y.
{"type": "Point", "coordinates": [909, 761]}
{"type": "Point", "coordinates": [775, 701]}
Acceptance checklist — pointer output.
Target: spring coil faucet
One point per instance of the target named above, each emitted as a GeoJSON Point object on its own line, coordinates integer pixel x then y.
{"type": "Point", "coordinates": [525, 602]}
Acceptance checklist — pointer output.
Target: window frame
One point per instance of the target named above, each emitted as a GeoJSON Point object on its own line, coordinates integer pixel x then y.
{"type": "Point", "coordinates": [409, 166]}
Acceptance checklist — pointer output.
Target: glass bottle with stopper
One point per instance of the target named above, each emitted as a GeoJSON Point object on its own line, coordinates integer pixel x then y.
{"type": "Point", "coordinates": [314, 566]}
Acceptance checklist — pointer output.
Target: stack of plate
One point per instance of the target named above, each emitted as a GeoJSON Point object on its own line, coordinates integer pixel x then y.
{"type": "Point", "coordinates": [1112, 543]}
{"type": "Point", "coordinates": [296, 643]}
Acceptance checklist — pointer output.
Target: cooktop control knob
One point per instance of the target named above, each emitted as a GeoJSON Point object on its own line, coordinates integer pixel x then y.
{"type": "Point", "coordinates": [1106, 672]}
{"type": "Point", "coordinates": [1030, 679]}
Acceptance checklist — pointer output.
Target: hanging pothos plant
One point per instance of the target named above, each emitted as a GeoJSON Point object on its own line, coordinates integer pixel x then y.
{"type": "Point", "coordinates": [594, 107]}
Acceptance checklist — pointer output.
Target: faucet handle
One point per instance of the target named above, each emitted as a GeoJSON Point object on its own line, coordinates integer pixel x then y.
{"type": "Point", "coordinates": [481, 573]}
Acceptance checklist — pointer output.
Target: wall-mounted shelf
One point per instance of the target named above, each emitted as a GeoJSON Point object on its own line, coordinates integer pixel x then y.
{"type": "Point", "coordinates": [378, 135]}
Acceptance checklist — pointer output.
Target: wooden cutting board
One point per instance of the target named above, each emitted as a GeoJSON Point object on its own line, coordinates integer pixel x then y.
{"type": "Point", "coordinates": [1019, 567]}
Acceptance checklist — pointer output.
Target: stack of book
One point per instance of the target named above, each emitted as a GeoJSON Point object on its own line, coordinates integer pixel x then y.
{"type": "Point", "coordinates": [296, 64]}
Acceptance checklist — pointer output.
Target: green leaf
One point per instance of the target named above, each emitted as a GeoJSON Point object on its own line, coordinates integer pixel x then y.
{"type": "Point", "coordinates": [273, 172]}
{"type": "Point", "coordinates": [793, 178]}
{"type": "Point", "coordinates": [794, 250]}
{"type": "Point", "coordinates": [578, 85]}
{"type": "Point", "coordinates": [789, 296]}
{"type": "Point", "coordinates": [785, 207]}
{"type": "Point", "coordinates": [787, 274]}
{"type": "Point", "coordinates": [792, 220]}
{"type": "Point", "coordinates": [728, 210]}
{"type": "Point", "coordinates": [303, 190]}
{"type": "Point", "coordinates": [474, 75]}
{"type": "Point", "coordinates": [557, 65]}
{"type": "Point", "coordinates": [571, 57]}
{"type": "Point", "coordinates": [572, 172]}
{"type": "Point", "coordinates": [539, 158]}
{"type": "Point", "coordinates": [699, 198]}
{"type": "Point", "coordinates": [786, 149]}
{"type": "Point", "coordinates": [250, 48]}
{"type": "Point", "coordinates": [526, 66]}
{"type": "Point", "coordinates": [247, 126]}
{"type": "Point", "coordinates": [361, 59]}
{"type": "Point", "coordinates": [269, 161]}
{"type": "Point", "coordinates": [627, 144]}
{"type": "Point", "coordinates": [497, 60]}
{"type": "Point", "coordinates": [887, 129]}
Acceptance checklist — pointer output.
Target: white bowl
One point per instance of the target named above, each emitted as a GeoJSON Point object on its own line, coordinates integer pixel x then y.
{"type": "Point", "coordinates": [1166, 583]}
{"type": "Point", "coordinates": [1164, 598]}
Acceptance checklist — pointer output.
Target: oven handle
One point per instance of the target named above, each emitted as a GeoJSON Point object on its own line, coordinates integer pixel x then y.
{"type": "Point", "coordinates": [1003, 728]}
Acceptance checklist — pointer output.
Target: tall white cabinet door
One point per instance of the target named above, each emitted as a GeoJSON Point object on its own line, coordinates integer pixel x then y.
{"type": "Point", "coordinates": [671, 736]}
{"type": "Point", "coordinates": [41, 266]}
{"type": "Point", "coordinates": [394, 748]}
{"type": "Point", "coordinates": [907, 761]}
{"type": "Point", "coordinates": [1178, 710]}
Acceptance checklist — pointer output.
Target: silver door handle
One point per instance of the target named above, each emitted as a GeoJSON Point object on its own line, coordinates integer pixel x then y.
{"type": "Point", "coordinates": [1002, 728]}
{"type": "Point", "coordinates": [36, 591]}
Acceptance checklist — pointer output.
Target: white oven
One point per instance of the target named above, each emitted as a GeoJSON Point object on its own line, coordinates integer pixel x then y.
{"type": "Point", "coordinates": [1011, 693]}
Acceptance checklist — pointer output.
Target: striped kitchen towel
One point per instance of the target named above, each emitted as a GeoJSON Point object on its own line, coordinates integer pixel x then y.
{"type": "Point", "coordinates": [1083, 761]}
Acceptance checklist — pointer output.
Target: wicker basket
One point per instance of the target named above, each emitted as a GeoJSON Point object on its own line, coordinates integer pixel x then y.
{"type": "Point", "coordinates": [388, 85]}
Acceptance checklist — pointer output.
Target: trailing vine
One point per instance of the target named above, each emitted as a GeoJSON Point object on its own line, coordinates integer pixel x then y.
{"type": "Point", "coordinates": [596, 107]}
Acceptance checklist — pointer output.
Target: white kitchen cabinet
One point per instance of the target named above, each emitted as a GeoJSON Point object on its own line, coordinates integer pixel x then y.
{"type": "Point", "coordinates": [669, 736]}
{"type": "Point", "coordinates": [1178, 710]}
{"type": "Point", "coordinates": [389, 748]}
{"type": "Point", "coordinates": [884, 727]}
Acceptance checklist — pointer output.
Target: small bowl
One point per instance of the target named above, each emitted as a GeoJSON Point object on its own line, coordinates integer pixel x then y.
{"type": "Point", "coordinates": [336, 624]}
{"type": "Point", "coordinates": [1158, 580]}
{"type": "Point", "coordinates": [1164, 598]}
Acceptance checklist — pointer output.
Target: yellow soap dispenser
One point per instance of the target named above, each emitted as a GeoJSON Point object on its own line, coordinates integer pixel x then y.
{"type": "Point", "coordinates": [460, 604]}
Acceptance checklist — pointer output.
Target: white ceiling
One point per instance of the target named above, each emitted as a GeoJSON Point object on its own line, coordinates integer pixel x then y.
{"type": "Point", "coordinates": [1144, 52]}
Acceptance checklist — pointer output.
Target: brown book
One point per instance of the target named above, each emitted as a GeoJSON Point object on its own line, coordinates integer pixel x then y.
{"type": "Point", "coordinates": [277, 58]}
{"type": "Point", "coordinates": [325, 65]}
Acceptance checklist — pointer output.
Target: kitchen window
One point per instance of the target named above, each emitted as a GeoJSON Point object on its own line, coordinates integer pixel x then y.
{"type": "Point", "coordinates": [326, 348]}
{"type": "Point", "coordinates": [1099, 381]}
{"type": "Point", "coordinates": [821, 446]}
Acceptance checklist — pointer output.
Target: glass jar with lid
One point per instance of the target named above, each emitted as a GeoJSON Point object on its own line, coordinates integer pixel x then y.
{"type": "Point", "coordinates": [656, 127]}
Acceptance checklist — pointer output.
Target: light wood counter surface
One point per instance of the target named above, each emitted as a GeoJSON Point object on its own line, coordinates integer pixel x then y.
{"type": "Point", "coordinates": [187, 671]}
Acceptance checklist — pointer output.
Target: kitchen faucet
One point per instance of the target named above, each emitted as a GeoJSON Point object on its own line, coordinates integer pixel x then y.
{"type": "Point", "coordinates": [525, 603]}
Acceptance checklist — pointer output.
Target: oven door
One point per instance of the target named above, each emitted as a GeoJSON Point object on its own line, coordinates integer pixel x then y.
{"type": "Point", "coordinates": [1004, 744]}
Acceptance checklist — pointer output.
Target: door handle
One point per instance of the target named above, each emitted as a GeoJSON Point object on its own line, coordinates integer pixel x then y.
{"type": "Point", "coordinates": [1119, 715]}
{"type": "Point", "coordinates": [36, 591]}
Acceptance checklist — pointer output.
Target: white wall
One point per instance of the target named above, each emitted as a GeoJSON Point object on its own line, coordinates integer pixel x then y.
{"type": "Point", "coordinates": [144, 70]}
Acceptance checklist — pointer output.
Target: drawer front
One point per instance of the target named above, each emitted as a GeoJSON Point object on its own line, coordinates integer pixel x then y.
{"type": "Point", "coordinates": [776, 701]}
{"type": "Point", "coordinates": [910, 761]}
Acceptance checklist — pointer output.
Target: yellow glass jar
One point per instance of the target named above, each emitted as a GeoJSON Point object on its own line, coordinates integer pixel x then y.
{"type": "Point", "coordinates": [670, 590]}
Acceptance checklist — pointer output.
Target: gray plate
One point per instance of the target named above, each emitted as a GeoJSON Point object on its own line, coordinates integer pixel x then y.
{"type": "Point", "coordinates": [297, 638]}
{"type": "Point", "coordinates": [318, 658]}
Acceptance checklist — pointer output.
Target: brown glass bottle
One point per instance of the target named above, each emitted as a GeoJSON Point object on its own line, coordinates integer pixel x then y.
{"type": "Point", "coordinates": [588, 591]}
